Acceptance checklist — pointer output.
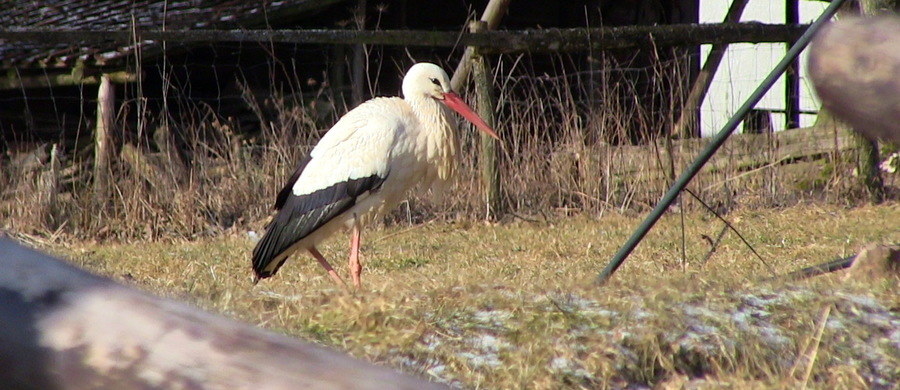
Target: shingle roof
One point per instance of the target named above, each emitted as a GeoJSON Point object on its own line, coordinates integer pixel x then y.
{"type": "Point", "coordinates": [126, 15]}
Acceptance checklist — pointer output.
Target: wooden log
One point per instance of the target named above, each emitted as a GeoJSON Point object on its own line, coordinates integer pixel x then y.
{"type": "Point", "coordinates": [64, 328]}
{"type": "Point", "coordinates": [489, 161]}
{"type": "Point", "coordinates": [854, 65]}
{"type": "Point", "coordinates": [875, 262]}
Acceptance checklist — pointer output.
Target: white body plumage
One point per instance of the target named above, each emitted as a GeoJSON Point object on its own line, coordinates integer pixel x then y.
{"type": "Point", "coordinates": [384, 137]}
{"type": "Point", "coordinates": [366, 164]}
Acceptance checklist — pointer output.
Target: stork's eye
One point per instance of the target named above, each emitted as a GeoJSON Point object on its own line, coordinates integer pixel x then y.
{"type": "Point", "coordinates": [435, 82]}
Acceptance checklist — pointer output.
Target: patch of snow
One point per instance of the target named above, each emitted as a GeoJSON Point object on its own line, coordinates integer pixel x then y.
{"type": "Point", "coordinates": [431, 342]}
{"type": "Point", "coordinates": [489, 343]}
{"type": "Point", "coordinates": [763, 301]}
{"type": "Point", "coordinates": [862, 301]}
{"type": "Point", "coordinates": [700, 311]}
{"type": "Point", "coordinates": [641, 314]}
{"type": "Point", "coordinates": [578, 304]}
{"type": "Point", "coordinates": [566, 366]}
{"type": "Point", "coordinates": [894, 338]}
{"type": "Point", "coordinates": [743, 320]}
{"type": "Point", "coordinates": [891, 164]}
{"type": "Point", "coordinates": [493, 317]}
{"type": "Point", "coordinates": [436, 371]}
{"type": "Point", "coordinates": [772, 336]}
{"type": "Point", "coordinates": [560, 363]}
{"type": "Point", "coordinates": [481, 360]}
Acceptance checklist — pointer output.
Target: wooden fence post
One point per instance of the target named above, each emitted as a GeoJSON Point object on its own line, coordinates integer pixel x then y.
{"type": "Point", "coordinates": [490, 165]}
{"type": "Point", "coordinates": [686, 126]}
{"type": "Point", "coordinates": [359, 57]}
{"type": "Point", "coordinates": [106, 98]}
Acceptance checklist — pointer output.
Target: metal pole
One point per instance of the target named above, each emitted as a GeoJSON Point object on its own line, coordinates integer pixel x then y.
{"type": "Point", "coordinates": [715, 143]}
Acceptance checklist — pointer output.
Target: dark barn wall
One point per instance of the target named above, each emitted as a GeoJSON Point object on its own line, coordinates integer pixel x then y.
{"type": "Point", "coordinates": [212, 75]}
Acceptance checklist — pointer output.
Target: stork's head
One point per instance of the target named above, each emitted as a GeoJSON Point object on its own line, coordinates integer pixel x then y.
{"type": "Point", "coordinates": [427, 80]}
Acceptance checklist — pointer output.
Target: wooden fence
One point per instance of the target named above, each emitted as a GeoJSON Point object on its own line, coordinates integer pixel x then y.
{"type": "Point", "coordinates": [654, 165]}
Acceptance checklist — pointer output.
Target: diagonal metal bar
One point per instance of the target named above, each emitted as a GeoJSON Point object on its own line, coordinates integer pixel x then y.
{"type": "Point", "coordinates": [716, 143]}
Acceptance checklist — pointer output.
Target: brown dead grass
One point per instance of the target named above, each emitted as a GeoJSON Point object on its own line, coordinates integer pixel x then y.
{"type": "Point", "coordinates": [557, 132]}
{"type": "Point", "coordinates": [512, 305]}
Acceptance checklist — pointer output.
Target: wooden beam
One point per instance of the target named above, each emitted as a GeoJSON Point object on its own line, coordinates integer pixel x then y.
{"type": "Point", "coordinates": [685, 126]}
{"type": "Point", "coordinates": [56, 79]}
{"type": "Point", "coordinates": [359, 65]}
{"type": "Point", "coordinates": [492, 15]}
{"type": "Point", "coordinates": [491, 42]}
{"type": "Point", "coordinates": [64, 328]}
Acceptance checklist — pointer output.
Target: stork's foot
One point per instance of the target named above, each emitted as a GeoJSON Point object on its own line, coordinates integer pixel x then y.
{"type": "Point", "coordinates": [324, 263]}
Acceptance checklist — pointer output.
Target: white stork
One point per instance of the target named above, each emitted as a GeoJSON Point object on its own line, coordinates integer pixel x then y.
{"type": "Point", "coordinates": [365, 165]}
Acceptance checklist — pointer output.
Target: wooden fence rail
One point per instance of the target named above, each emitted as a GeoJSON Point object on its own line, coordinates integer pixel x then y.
{"type": "Point", "coordinates": [490, 42]}
{"type": "Point", "coordinates": [648, 164]}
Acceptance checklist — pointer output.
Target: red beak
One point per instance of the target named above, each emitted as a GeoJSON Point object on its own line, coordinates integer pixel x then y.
{"type": "Point", "coordinates": [453, 101]}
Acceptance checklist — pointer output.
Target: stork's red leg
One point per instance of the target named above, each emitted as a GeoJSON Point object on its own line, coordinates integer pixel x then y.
{"type": "Point", "coordinates": [337, 278]}
{"type": "Point", "coordinates": [355, 266]}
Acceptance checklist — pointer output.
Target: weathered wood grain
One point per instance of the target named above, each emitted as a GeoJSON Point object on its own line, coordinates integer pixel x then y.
{"type": "Point", "coordinates": [64, 328]}
{"type": "Point", "coordinates": [533, 40]}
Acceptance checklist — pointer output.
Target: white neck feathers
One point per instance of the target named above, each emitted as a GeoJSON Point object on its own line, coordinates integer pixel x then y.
{"type": "Point", "coordinates": [437, 134]}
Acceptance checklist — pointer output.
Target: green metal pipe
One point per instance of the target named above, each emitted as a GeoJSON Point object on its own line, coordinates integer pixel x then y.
{"type": "Point", "coordinates": [715, 143]}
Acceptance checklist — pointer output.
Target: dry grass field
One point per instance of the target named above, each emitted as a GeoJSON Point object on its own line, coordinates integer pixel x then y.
{"type": "Point", "coordinates": [512, 305]}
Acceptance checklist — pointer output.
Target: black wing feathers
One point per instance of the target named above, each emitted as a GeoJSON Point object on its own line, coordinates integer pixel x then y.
{"type": "Point", "coordinates": [299, 216]}
{"type": "Point", "coordinates": [289, 186]}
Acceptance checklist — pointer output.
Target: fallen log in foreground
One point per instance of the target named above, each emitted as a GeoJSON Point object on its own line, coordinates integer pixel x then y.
{"type": "Point", "coordinates": [64, 328]}
{"type": "Point", "coordinates": [854, 65]}
{"type": "Point", "coordinates": [874, 261]}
